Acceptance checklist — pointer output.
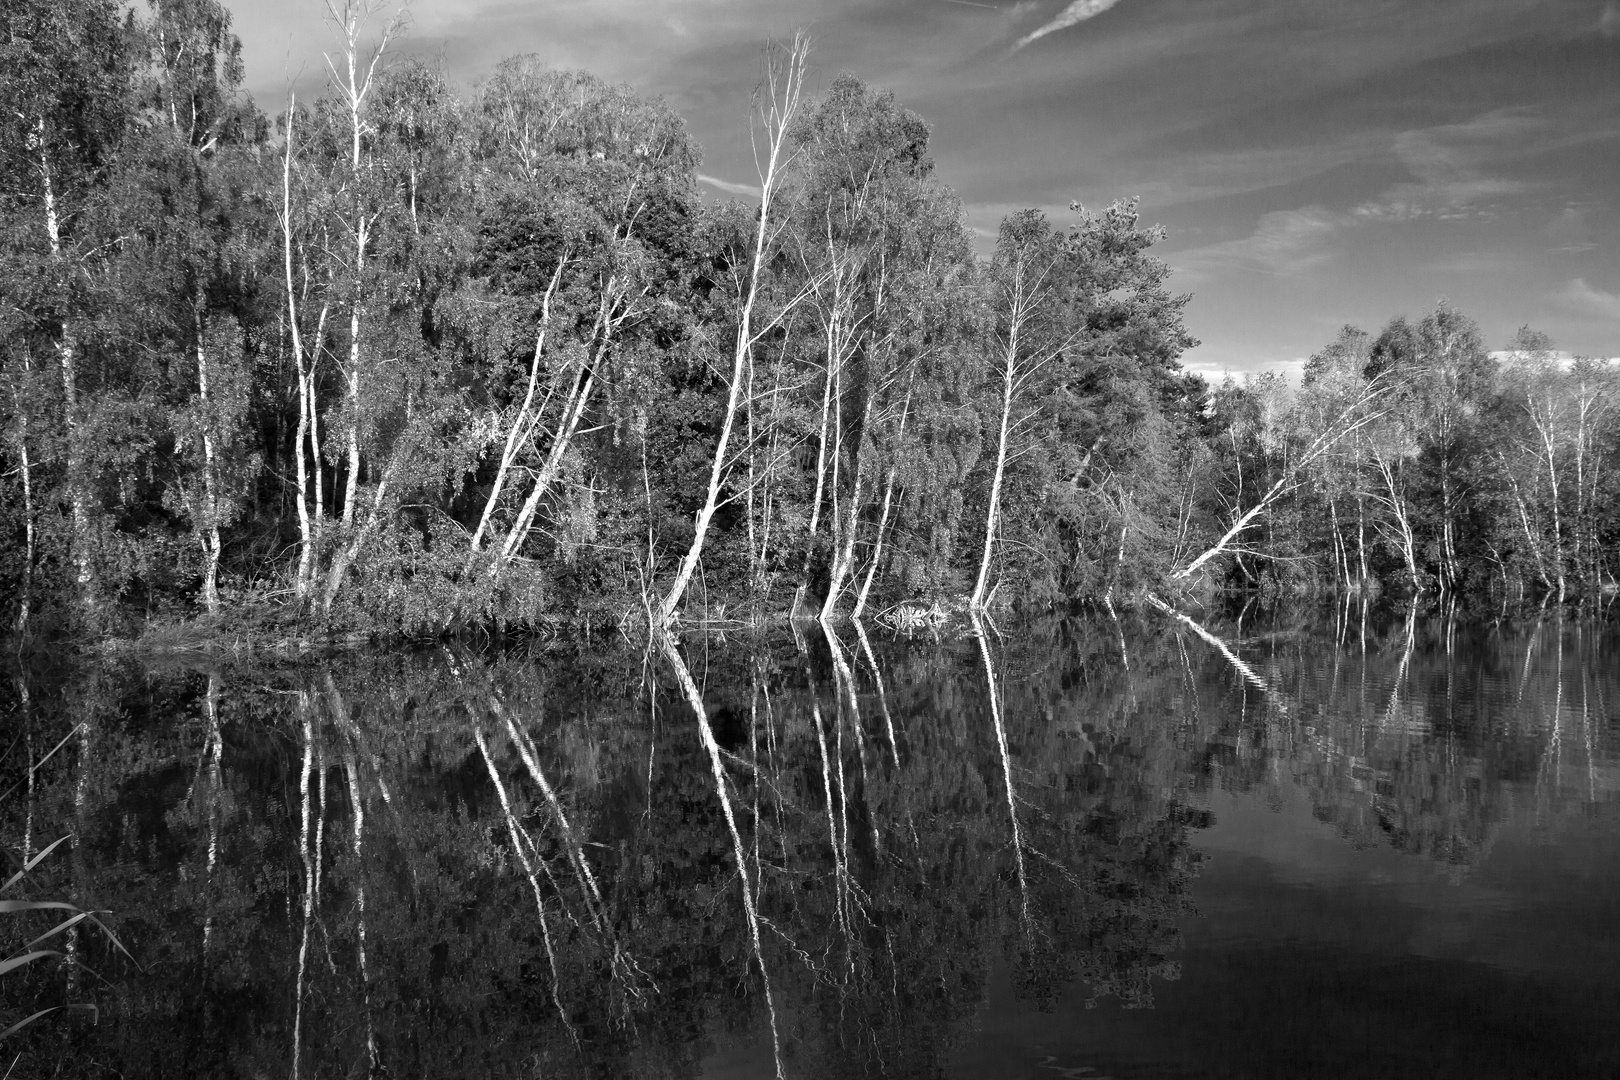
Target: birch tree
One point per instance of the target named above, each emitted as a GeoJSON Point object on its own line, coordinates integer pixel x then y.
{"type": "Point", "coordinates": [1352, 417]}
{"type": "Point", "coordinates": [1025, 277]}
{"type": "Point", "coordinates": [354, 75]}
{"type": "Point", "coordinates": [64, 108]}
{"type": "Point", "coordinates": [210, 257]}
{"type": "Point", "coordinates": [778, 101]}
{"type": "Point", "coordinates": [575, 173]}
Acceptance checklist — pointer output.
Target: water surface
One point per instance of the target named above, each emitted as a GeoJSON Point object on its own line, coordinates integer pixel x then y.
{"type": "Point", "coordinates": [1311, 848]}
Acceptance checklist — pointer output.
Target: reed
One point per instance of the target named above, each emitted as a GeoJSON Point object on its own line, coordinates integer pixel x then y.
{"type": "Point", "coordinates": [31, 952]}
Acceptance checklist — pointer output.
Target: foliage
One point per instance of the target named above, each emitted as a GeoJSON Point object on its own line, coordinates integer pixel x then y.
{"type": "Point", "coordinates": [412, 360]}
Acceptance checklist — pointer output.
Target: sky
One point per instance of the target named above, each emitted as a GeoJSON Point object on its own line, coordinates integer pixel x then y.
{"type": "Point", "coordinates": [1315, 162]}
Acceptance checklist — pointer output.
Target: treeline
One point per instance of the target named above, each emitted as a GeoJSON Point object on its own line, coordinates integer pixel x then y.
{"type": "Point", "coordinates": [1418, 461]}
{"type": "Point", "coordinates": [413, 358]}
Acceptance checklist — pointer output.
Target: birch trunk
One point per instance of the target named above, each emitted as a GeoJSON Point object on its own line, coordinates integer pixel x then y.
{"type": "Point", "coordinates": [84, 575]}
{"type": "Point", "coordinates": [1530, 536]}
{"type": "Point", "coordinates": [877, 548]}
{"type": "Point", "coordinates": [25, 469]}
{"type": "Point", "coordinates": [573, 409]}
{"type": "Point", "coordinates": [779, 113]}
{"type": "Point", "coordinates": [992, 517]}
{"type": "Point", "coordinates": [821, 470]}
{"type": "Point", "coordinates": [315, 458]}
{"type": "Point", "coordinates": [1361, 542]}
{"type": "Point", "coordinates": [521, 424]}
{"type": "Point", "coordinates": [1352, 419]}
{"type": "Point", "coordinates": [612, 311]}
{"type": "Point", "coordinates": [1403, 522]}
{"type": "Point", "coordinates": [1024, 294]}
{"type": "Point", "coordinates": [847, 523]}
{"type": "Point", "coordinates": [1549, 444]}
{"type": "Point", "coordinates": [355, 88]}
{"type": "Point", "coordinates": [208, 525]}
{"type": "Point", "coordinates": [306, 545]}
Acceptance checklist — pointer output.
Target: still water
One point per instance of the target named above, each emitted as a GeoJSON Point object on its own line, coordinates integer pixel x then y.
{"type": "Point", "coordinates": [1309, 846]}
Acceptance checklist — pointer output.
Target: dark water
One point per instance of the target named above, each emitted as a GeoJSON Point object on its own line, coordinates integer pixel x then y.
{"type": "Point", "coordinates": [1306, 849]}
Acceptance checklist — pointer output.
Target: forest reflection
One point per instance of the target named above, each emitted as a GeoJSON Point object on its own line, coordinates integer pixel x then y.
{"type": "Point", "coordinates": [587, 859]}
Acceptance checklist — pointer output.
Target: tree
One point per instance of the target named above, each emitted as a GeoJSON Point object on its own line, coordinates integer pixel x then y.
{"type": "Point", "coordinates": [64, 110]}
{"type": "Point", "coordinates": [582, 182]}
{"type": "Point", "coordinates": [863, 221]}
{"type": "Point", "coordinates": [779, 100]}
{"type": "Point", "coordinates": [1029, 334]}
{"type": "Point", "coordinates": [206, 249]}
{"type": "Point", "coordinates": [1357, 413]}
{"type": "Point", "coordinates": [1440, 377]}
{"type": "Point", "coordinates": [1085, 336]}
{"type": "Point", "coordinates": [1331, 378]}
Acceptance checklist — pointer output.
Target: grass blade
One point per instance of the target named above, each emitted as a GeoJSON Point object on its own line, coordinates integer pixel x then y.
{"type": "Point", "coordinates": [59, 927]}
{"type": "Point", "coordinates": [41, 762]}
{"type": "Point", "coordinates": [28, 958]}
{"type": "Point", "coordinates": [31, 863]}
{"type": "Point", "coordinates": [19, 1025]}
{"type": "Point", "coordinates": [9, 906]}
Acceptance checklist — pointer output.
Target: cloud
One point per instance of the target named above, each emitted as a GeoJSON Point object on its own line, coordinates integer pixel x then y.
{"type": "Point", "coordinates": [1215, 373]}
{"type": "Point", "coordinates": [729, 187]}
{"type": "Point", "coordinates": [1286, 242]}
{"type": "Point", "coordinates": [1077, 12]}
{"type": "Point", "coordinates": [1582, 299]}
{"type": "Point", "coordinates": [1448, 163]}
{"type": "Point", "coordinates": [1609, 21]}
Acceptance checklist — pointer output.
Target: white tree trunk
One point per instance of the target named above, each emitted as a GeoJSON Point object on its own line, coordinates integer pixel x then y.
{"type": "Point", "coordinates": [521, 423]}
{"type": "Point", "coordinates": [306, 544]}
{"type": "Point", "coordinates": [992, 517]}
{"type": "Point", "coordinates": [847, 524]}
{"type": "Point", "coordinates": [208, 525]}
{"type": "Point", "coordinates": [1352, 419]}
{"type": "Point", "coordinates": [67, 359]}
{"type": "Point", "coordinates": [783, 86]}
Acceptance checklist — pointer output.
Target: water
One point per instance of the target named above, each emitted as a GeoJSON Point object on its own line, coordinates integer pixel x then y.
{"type": "Point", "coordinates": [1317, 848]}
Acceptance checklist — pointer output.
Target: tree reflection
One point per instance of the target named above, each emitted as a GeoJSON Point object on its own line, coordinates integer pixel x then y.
{"type": "Point", "coordinates": [543, 862]}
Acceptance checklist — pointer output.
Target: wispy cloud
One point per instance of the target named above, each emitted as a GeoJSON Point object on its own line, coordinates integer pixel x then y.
{"type": "Point", "coordinates": [1286, 242]}
{"type": "Point", "coordinates": [1449, 162]}
{"type": "Point", "coordinates": [1582, 299]}
{"type": "Point", "coordinates": [1077, 12]}
{"type": "Point", "coordinates": [729, 187]}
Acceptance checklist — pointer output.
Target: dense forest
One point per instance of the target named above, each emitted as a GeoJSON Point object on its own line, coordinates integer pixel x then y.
{"type": "Point", "coordinates": [415, 357]}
